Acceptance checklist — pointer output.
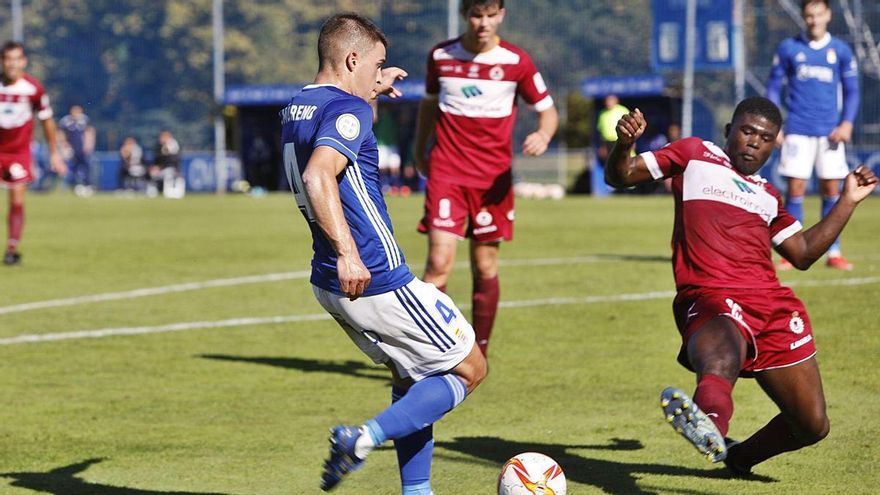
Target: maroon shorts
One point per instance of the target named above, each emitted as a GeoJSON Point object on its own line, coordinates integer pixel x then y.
{"type": "Point", "coordinates": [773, 321]}
{"type": "Point", "coordinates": [485, 215]}
{"type": "Point", "coordinates": [15, 168]}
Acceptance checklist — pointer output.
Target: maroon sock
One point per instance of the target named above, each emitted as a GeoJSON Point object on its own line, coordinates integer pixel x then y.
{"type": "Point", "coordinates": [15, 221]}
{"type": "Point", "coordinates": [714, 396]}
{"type": "Point", "coordinates": [485, 305]}
{"type": "Point", "coordinates": [773, 439]}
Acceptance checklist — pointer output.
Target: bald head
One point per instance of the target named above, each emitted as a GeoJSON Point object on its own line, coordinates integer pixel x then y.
{"type": "Point", "coordinates": [346, 33]}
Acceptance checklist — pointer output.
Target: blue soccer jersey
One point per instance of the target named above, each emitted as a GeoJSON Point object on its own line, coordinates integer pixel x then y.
{"type": "Point", "coordinates": [324, 115]}
{"type": "Point", "coordinates": [815, 72]}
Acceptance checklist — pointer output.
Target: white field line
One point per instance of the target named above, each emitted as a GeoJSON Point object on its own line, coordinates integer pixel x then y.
{"type": "Point", "coordinates": [252, 279]}
{"type": "Point", "coordinates": [198, 325]}
{"type": "Point", "coordinates": [153, 291]}
{"type": "Point", "coordinates": [237, 322]}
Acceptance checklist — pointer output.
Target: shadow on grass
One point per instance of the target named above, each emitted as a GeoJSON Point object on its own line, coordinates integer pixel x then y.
{"type": "Point", "coordinates": [609, 476]}
{"type": "Point", "coordinates": [357, 369]}
{"type": "Point", "coordinates": [62, 481]}
{"type": "Point", "coordinates": [634, 257]}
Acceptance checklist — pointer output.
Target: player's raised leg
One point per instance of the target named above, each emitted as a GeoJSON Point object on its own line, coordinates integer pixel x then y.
{"type": "Point", "coordinates": [486, 290]}
{"type": "Point", "coordinates": [716, 352]}
{"type": "Point", "coordinates": [802, 420]}
{"type": "Point", "coordinates": [407, 421]}
{"type": "Point", "coordinates": [429, 344]}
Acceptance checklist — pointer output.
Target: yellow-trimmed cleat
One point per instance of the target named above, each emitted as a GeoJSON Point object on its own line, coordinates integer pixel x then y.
{"type": "Point", "coordinates": [695, 426]}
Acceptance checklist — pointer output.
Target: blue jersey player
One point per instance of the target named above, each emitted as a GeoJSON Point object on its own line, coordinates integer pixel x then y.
{"type": "Point", "coordinates": [358, 271]}
{"type": "Point", "coordinates": [818, 68]}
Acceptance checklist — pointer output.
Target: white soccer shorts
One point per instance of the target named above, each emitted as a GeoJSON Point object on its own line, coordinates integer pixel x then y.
{"type": "Point", "coordinates": [799, 153]}
{"type": "Point", "coordinates": [416, 327]}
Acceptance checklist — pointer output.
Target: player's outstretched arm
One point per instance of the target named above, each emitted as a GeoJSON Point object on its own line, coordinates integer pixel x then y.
{"type": "Point", "coordinates": [429, 112]}
{"type": "Point", "coordinates": [319, 182]}
{"type": "Point", "coordinates": [804, 248]}
{"type": "Point", "coordinates": [622, 169]}
{"type": "Point", "coordinates": [536, 143]}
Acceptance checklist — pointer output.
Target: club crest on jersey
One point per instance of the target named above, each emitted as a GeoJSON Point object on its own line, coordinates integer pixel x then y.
{"type": "Point", "coordinates": [483, 218]}
{"type": "Point", "coordinates": [17, 171]}
{"type": "Point", "coordinates": [496, 73]}
{"type": "Point", "coordinates": [796, 323]}
{"type": "Point", "coordinates": [831, 56]}
{"type": "Point", "coordinates": [800, 57]}
{"type": "Point", "coordinates": [348, 126]}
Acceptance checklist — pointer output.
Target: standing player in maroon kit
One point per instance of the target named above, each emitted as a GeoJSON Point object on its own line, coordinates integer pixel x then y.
{"type": "Point", "coordinates": [734, 317]}
{"type": "Point", "coordinates": [472, 87]}
{"type": "Point", "coordinates": [21, 97]}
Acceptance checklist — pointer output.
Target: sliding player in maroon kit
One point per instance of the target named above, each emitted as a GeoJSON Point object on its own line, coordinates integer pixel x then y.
{"type": "Point", "coordinates": [734, 317]}
{"type": "Point", "coordinates": [21, 98]}
{"type": "Point", "coordinates": [472, 87]}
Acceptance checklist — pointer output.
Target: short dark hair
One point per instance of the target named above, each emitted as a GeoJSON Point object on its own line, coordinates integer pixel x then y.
{"type": "Point", "coordinates": [467, 5]}
{"type": "Point", "coordinates": [348, 30]}
{"type": "Point", "coordinates": [11, 45]}
{"type": "Point", "coordinates": [760, 106]}
{"type": "Point", "coordinates": [804, 3]}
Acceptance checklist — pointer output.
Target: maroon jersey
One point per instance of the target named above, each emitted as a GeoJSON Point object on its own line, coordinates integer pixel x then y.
{"type": "Point", "coordinates": [477, 98]}
{"type": "Point", "coordinates": [725, 222]}
{"type": "Point", "coordinates": [19, 102]}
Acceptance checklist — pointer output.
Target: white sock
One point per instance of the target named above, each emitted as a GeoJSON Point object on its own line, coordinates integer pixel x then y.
{"type": "Point", "coordinates": [364, 444]}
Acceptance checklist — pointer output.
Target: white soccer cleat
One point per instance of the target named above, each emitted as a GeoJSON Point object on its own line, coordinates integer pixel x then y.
{"type": "Point", "coordinates": [693, 424]}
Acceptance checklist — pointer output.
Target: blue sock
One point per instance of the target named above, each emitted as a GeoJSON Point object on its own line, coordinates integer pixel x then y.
{"type": "Point", "coordinates": [795, 206]}
{"type": "Point", "coordinates": [414, 454]}
{"type": "Point", "coordinates": [827, 203]}
{"type": "Point", "coordinates": [425, 402]}
{"type": "Point", "coordinates": [420, 489]}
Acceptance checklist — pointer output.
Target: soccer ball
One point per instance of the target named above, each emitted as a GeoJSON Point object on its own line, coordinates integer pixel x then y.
{"type": "Point", "coordinates": [531, 473]}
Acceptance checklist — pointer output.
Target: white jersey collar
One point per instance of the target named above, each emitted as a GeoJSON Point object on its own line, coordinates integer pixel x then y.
{"type": "Point", "coordinates": [819, 43]}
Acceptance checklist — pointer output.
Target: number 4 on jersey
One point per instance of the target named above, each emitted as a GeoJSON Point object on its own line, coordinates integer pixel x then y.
{"type": "Point", "coordinates": [445, 311]}
{"type": "Point", "coordinates": [294, 178]}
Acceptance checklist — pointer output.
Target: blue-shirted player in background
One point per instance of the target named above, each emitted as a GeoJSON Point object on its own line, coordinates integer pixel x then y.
{"type": "Point", "coordinates": [818, 68]}
{"type": "Point", "coordinates": [358, 271]}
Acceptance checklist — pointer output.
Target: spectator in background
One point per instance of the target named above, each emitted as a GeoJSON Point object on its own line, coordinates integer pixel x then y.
{"type": "Point", "coordinates": [81, 138]}
{"type": "Point", "coordinates": [606, 126]}
{"type": "Point", "coordinates": [673, 134]}
{"type": "Point", "coordinates": [389, 155]}
{"type": "Point", "coordinates": [260, 167]}
{"type": "Point", "coordinates": [132, 173]}
{"type": "Point", "coordinates": [165, 172]}
{"type": "Point", "coordinates": [409, 177]}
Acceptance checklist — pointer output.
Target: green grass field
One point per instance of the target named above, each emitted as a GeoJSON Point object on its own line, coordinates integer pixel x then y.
{"type": "Point", "coordinates": [207, 392]}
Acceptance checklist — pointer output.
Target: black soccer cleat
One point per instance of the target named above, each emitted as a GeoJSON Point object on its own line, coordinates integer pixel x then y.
{"type": "Point", "coordinates": [12, 258]}
{"type": "Point", "coordinates": [735, 469]}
